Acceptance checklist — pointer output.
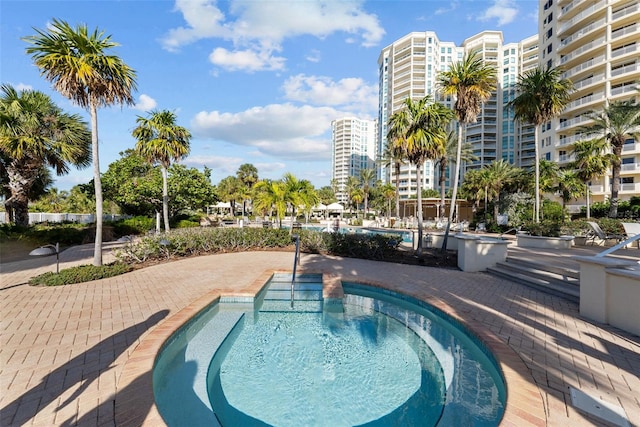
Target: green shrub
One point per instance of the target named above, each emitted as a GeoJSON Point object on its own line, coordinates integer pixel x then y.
{"type": "Point", "coordinates": [547, 228]}
{"type": "Point", "coordinates": [80, 274]}
{"type": "Point", "coordinates": [134, 225]}
{"type": "Point", "coordinates": [185, 223]}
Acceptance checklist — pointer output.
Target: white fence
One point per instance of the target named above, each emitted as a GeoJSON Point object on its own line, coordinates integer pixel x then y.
{"type": "Point", "coordinates": [36, 217]}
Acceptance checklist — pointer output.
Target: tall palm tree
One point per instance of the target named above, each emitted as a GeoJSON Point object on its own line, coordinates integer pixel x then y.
{"type": "Point", "coordinates": [569, 186]}
{"type": "Point", "coordinates": [590, 161]}
{"type": "Point", "coordinates": [472, 82]}
{"type": "Point", "coordinates": [388, 191]}
{"type": "Point", "coordinates": [542, 95]}
{"type": "Point", "coordinates": [549, 173]}
{"type": "Point", "coordinates": [394, 155]}
{"type": "Point", "coordinates": [160, 140]}
{"type": "Point", "coordinates": [420, 128]}
{"type": "Point", "coordinates": [308, 198]}
{"type": "Point", "coordinates": [293, 187]}
{"type": "Point", "coordinates": [35, 134]}
{"type": "Point", "coordinates": [270, 196]}
{"type": "Point", "coordinates": [450, 155]}
{"type": "Point", "coordinates": [350, 187]}
{"type": "Point", "coordinates": [80, 67]}
{"type": "Point", "coordinates": [498, 175]}
{"type": "Point", "coordinates": [618, 122]}
{"type": "Point", "coordinates": [367, 177]}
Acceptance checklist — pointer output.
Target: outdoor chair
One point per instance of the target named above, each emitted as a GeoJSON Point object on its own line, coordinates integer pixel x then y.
{"type": "Point", "coordinates": [631, 229]}
{"type": "Point", "coordinates": [597, 233]}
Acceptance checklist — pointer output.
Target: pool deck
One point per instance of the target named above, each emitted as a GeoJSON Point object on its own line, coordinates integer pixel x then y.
{"type": "Point", "coordinates": [81, 354]}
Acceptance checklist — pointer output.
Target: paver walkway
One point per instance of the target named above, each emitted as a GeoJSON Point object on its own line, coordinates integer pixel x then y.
{"type": "Point", "coordinates": [63, 349]}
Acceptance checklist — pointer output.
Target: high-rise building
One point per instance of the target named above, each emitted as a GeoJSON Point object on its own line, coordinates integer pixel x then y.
{"type": "Point", "coordinates": [597, 44]}
{"type": "Point", "coordinates": [408, 69]}
{"type": "Point", "coordinates": [353, 146]}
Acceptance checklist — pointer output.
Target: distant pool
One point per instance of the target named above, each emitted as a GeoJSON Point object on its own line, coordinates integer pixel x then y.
{"type": "Point", "coordinates": [245, 364]}
{"type": "Point", "coordinates": [403, 235]}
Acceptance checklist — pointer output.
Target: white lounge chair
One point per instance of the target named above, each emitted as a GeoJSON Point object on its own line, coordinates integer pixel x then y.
{"type": "Point", "coordinates": [597, 233]}
{"type": "Point", "coordinates": [631, 229]}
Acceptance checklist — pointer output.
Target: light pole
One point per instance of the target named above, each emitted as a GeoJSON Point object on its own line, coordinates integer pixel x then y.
{"type": "Point", "coordinates": [47, 250]}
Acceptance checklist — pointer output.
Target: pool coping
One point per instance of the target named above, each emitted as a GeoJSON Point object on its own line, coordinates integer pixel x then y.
{"type": "Point", "coordinates": [524, 406]}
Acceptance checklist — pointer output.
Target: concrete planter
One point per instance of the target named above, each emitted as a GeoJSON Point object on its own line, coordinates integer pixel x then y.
{"type": "Point", "coordinates": [438, 238]}
{"type": "Point", "coordinates": [479, 253]}
{"type": "Point", "coordinates": [562, 242]}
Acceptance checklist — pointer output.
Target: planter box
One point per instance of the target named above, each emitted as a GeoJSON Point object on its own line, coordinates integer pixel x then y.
{"type": "Point", "coordinates": [562, 242]}
{"type": "Point", "coordinates": [477, 253]}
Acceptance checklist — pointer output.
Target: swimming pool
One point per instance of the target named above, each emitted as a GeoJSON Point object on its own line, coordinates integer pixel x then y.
{"type": "Point", "coordinates": [371, 358]}
{"type": "Point", "coordinates": [403, 235]}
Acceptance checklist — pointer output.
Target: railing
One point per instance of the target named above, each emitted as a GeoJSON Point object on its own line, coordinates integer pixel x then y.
{"type": "Point", "coordinates": [619, 246]}
{"type": "Point", "coordinates": [296, 261]}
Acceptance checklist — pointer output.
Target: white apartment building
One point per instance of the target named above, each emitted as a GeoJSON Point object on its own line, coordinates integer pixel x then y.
{"type": "Point", "coordinates": [353, 148]}
{"type": "Point", "coordinates": [407, 69]}
{"type": "Point", "coordinates": [597, 44]}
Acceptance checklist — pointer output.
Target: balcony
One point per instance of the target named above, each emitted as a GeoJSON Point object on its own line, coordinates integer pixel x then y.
{"type": "Point", "coordinates": [625, 50]}
{"type": "Point", "coordinates": [600, 41]}
{"type": "Point", "coordinates": [580, 16]}
{"type": "Point", "coordinates": [630, 147]}
{"type": "Point", "coordinates": [598, 61]}
{"type": "Point", "coordinates": [596, 79]}
{"type": "Point", "coordinates": [623, 89]}
{"type": "Point", "coordinates": [630, 167]}
{"type": "Point", "coordinates": [585, 100]}
{"type": "Point", "coordinates": [565, 158]}
{"type": "Point", "coordinates": [626, 11]}
{"type": "Point", "coordinates": [599, 24]}
{"type": "Point", "coordinates": [576, 121]}
{"type": "Point", "coordinates": [629, 68]}
{"type": "Point", "coordinates": [633, 187]}
{"type": "Point", "coordinates": [621, 32]}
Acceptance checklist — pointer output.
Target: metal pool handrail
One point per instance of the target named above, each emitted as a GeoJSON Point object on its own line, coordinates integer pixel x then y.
{"type": "Point", "coordinates": [619, 245]}
{"type": "Point", "coordinates": [296, 261]}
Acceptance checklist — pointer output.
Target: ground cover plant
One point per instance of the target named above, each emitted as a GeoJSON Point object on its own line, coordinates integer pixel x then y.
{"type": "Point", "coordinates": [80, 274]}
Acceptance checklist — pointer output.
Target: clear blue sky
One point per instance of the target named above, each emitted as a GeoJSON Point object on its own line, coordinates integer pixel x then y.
{"type": "Point", "coordinates": [254, 81]}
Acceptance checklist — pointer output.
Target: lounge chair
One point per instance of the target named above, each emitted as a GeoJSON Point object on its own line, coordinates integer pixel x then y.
{"type": "Point", "coordinates": [631, 229]}
{"type": "Point", "coordinates": [597, 233]}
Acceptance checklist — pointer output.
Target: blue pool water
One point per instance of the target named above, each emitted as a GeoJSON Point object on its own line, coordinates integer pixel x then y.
{"type": "Point", "coordinates": [373, 358]}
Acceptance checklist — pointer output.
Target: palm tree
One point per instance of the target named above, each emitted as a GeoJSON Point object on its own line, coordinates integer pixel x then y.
{"type": "Point", "coordinates": [450, 155]}
{"type": "Point", "coordinates": [569, 185]}
{"type": "Point", "coordinates": [160, 140]}
{"type": "Point", "coordinates": [590, 162]}
{"type": "Point", "coordinates": [350, 188]}
{"type": "Point", "coordinates": [617, 122]}
{"type": "Point", "coordinates": [549, 173]}
{"type": "Point", "coordinates": [367, 176]}
{"type": "Point", "coordinates": [420, 128]}
{"type": "Point", "coordinates": [308, 198]}
{"type": "Point", "coordinates": [542, 95]}
{"type": "Point", "coordinates": [498, 175]}
{"type": "Point", "coordinates": [292, 187]}
{"type": "Point", "coordinates": [472, 82]}
{"type": "Point", "coordinates": [248, 175]}
{"type": "Point", "coordinates": [79, 66]}
{"type": "Point", "coordinates": [394, 154]}
{"type": "Point", "coordinates": [35, 134]}
{"type": "Point", "coordinates": [271, 195]}
{"type": "Point", "coordinates": [389, 192]}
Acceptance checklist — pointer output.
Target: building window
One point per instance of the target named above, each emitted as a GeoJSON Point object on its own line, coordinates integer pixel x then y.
{"type": "Point", "coordinates": [549, 48]}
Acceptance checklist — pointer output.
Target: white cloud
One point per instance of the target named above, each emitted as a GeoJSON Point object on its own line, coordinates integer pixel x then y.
{"type": "Point", "coordinates": [227, 165]}
{"type": "Point", "coordinates": [21, 86]}
{"type": "Point", "coordinates": [145, 103]}
{"type": "Point", "coordinates": [257, 29]}
{"type": "Point", "coordinates": [204, 20]}
{"type": "Point", "coordinates": [354, 93]}
{"type": "Point", "coordinates": [443, 10]}
{"type": "Point", "coordinates": [247, 60]}
{"type": "Point", "coordinates": [282, 130]}
{"type": "Point", "coordinates": [504, 11]}
{"type": "Point", "coordinates": [313, 56]}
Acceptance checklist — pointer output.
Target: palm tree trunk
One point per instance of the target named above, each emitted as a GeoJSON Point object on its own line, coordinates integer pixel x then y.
{"type": "Point", "coordinates": [615, 180]}
{"type": "Point", "coordinates": [397, 167]}
{"type": "Point", "coordinates": [536, 209]}
{"type": "Point", "coordinates": [443, 171]}
{"type": "Point", "coordinates": [97, 247]}
{"type": "Point", "coordinates": [588, 207]}
{"type": "Point", "coordinates": [165, 198]}
{"type": "Point", "coordinates": [419, 207]}
{"type": "Point", "coordinates": [452, 206]}
{"type": "Point", "coordinates": [18, 202]}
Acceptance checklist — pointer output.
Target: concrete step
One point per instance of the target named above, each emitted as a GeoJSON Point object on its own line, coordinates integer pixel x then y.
{"type": "Point", "coordinates": [560, 270]}
{"type": "Point", "coordinates": [569, 291]}
{"type": "Point", "coordinates": [550, 273]}
{"type": "Point", "coordinates": [299, 306]}
{"type": "Point", "coordinates": [298, 294]}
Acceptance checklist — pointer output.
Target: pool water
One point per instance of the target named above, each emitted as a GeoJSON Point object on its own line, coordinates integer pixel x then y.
{"type": "Point", "coordinates": [373, 358]}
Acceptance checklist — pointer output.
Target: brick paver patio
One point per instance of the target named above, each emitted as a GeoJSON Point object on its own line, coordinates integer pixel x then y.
{"type": "Point", "coordinates": [63, 349]}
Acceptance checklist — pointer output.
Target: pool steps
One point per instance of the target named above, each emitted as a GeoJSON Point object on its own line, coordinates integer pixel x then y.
{"type": "Point", "coordinates": [307, 294]}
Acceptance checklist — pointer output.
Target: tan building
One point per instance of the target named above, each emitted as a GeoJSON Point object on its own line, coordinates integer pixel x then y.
{"type": "Point", "coordinates": [597, 44]}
